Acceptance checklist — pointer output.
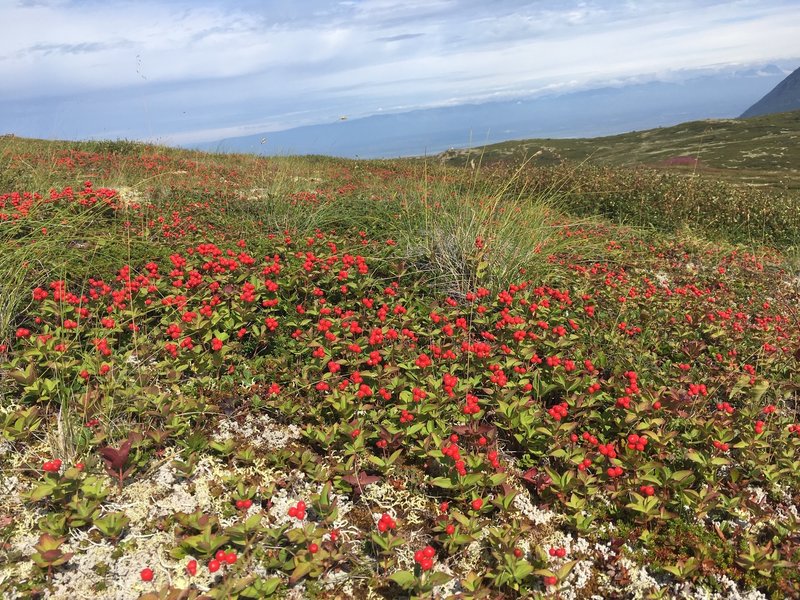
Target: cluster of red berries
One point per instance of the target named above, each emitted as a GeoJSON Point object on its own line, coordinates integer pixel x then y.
{"type": "Point", "coordinates": [449, 383]}
{"type": "Point", "coordinates": [593, 388]}
{"type": "Point", "coordinates": [298, 511]}
{"type": "Point", "coordinates": [386, 523]}
{"type": "Point", "coordinates": [244, 504]}
{"type": "Point", "coordinates": [418, 395]}
{"type": "Point", "coordinates": [633, 382]}
{"type": "Point", "coordinates": [724, 406]}
{"type": "Point", "coordinates": [493, 460]}
{"type": "Point", "coordinates": [423, 360]}
{"type": "Point", "coordinates": [452, 451]}
{"type": "Point", "coordinates": [52, 466]}
{"type": "Point", "coordinates": [647, 490]}
{"type": "Point", "coordinates": [585, 464]}
{"type": "Point", "coordinates": [614, 471]}
{"type": "Point", "coordinates": [624, 402]}
{"type": "Point", "coordinates": [471, 407]}
{"type": "Point", "coordinates": [424, 558]}
{"type": "Point", "coordinates": [721, 445]}
{"type": "Point", "coordinates": [559, 552]}
{"type": "Point", "coordinates": [607, 450]}
{"type": "Point", "coordinates": [759, 427]}
{"type": "Point", "coordinates": [221, 558]}
{"type": "Point", "coordinates": [697, 389]}
{"type": "Point", "coordinates": [498, 377]}
{"type": "Point", "coordinates": [559, 411]}
{"type": "Point", "coordinates": [637, 442]}
{"type": "Point", "coordinates": [406, 417]}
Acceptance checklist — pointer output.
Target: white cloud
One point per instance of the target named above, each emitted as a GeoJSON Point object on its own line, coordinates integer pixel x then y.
{"type": "Point", "coordinates": [267, 58]}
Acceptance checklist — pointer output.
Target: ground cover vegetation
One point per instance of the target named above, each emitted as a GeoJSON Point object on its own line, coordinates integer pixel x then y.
{"type": "Point", "coordinates": [232, 377]}
{"type": "Point", "coordinates": [760, 152]}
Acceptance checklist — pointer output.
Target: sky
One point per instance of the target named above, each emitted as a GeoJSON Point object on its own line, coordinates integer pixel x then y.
{"type": "Point", "coordinates": [187, 71]}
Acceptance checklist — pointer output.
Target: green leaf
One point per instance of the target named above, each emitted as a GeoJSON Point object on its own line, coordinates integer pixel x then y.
{"type": "Point", "coordinates": [759, 389]}
{"type": "Point", "coordinates": [680, 475]}
{"type": "Point", "coordinates": [438, 578]}
{"type": "Point", "coordinates": [442, 482]}
{"type": "Point", "coordinates": [43, 491]}
{"type": "Point", "coordinates": [405, 579]}
{"type": "Point", "coordinates": [695, 456]}
{"type": "Point", "coordinates": [565, 569]}
{"type": "Point", "coordinates": [522, 570]}
{"type": "Point", "coordinates": [300, 570]}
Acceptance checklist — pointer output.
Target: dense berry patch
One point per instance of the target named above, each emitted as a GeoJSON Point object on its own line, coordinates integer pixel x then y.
{"type": "Point", "coordinates": [245, 411]}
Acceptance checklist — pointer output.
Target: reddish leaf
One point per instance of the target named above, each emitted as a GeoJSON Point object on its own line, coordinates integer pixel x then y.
{"type": "Point", "coordinates": [115, 459]}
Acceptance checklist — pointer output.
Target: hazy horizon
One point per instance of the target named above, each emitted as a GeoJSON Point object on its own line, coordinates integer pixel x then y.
{"type": "Point", "coordinates": [188, 72]}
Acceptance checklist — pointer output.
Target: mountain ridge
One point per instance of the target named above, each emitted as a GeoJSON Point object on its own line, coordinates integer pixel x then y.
{"type": "Point", "coordinates": [784, 97]}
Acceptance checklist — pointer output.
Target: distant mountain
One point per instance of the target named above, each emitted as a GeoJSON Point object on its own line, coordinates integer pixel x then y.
{"type": "Point", "coordinates": [784, 97]}
{"type": "Point", "coordinates": [587, 113]}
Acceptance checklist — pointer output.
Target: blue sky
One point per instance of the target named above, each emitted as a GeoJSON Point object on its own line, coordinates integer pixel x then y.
{"type": "Point", "coordinates": [187, 71]}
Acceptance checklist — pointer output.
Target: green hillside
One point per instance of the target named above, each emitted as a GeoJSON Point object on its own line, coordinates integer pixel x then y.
{"type": "Point", "coordinates": [760, 151]}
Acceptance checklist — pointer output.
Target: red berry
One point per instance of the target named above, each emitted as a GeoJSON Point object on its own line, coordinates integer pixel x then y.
{"type": "Point", "coordinates": [429, 552]}
{"type": "Point", "coordinates": [552, 552]}
{"type": "Point", "coordinates": [518, 552]}
{"type": "Point", "coordinates": [191, 567]}
{"type": "Point", "coordinates": [426, 564]}
{"type": "Point", "coordinates": [313, 548]}
{"type": "Point", "coordinates": [147, 574]}
{"type": "Point", "coordinates": [450, 529]}
{"type": "Point", "coordinates": [230, 558]}
{"type": "Point", "coordinates": [477, 504]}
{"type": "Point", "coordinates": [550, 580]}
{"type": "Point", "coordinates": [213, 565]}
{"type": "Point", "coordinates": [220, 555]}
{"type": "Point", "coordinates": [561, 552]}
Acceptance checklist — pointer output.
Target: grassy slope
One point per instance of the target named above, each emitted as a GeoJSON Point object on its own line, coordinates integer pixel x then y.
{"type": "Point", "coordinates": [757, 151]}
{"type": "Point", "coordinates": [213, 431]}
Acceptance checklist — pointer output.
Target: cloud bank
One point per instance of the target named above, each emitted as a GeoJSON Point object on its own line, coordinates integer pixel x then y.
{"type": "Point", "coordinates": [187, 71]}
